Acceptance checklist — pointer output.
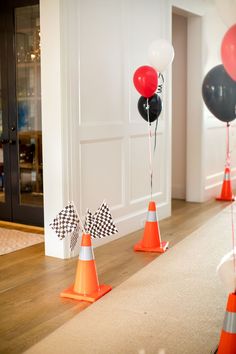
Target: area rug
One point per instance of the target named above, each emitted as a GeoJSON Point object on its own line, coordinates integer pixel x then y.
{"type": "Point", "coordinates": [174, 305]}
{"type": "Point", "coordinates": [13, 240]}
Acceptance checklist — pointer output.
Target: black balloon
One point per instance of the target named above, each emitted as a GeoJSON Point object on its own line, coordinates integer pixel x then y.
{"type": "Point", "coordinates": [219, 94]}
{"type": "Point", "coordinates": [155, 107]}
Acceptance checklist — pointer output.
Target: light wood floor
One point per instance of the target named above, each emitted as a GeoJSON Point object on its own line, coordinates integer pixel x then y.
{"type": "Point", "coordinates": [30, 283]}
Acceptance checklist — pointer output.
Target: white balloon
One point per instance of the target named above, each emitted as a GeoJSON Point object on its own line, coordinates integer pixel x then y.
{"type": "Point", "coordinates": [227, 11]}
{"type": "Point", "coordinates": [226, 272]}
{"type": "Point", "coordinates": [160, 54]}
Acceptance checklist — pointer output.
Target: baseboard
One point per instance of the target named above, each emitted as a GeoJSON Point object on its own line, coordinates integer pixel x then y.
{"type": "Point", "coordinates": [22, 227]}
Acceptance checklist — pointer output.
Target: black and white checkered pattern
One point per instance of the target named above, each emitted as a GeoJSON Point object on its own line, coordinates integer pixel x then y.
{"type": "Point", "coordinates": [102, 223]}
{"type": "Point", "coordinates": [88, 221]}
{"type": "Point", "coordinates": [74, 237]}
{"type": "Point", "coordinates": [66, 221]}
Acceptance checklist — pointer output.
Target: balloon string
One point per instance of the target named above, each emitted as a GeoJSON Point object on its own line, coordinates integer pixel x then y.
{"type": "Point", "coordinates": [227, 146]}
{"type": "Point", "coordinates": [159, 90]}
{"type": "Point", "coordinates": [155, 141]}
{"type": "Point", "coordinates": [150, 148]}
{"type": "Point", "coordinates": [233, 245]}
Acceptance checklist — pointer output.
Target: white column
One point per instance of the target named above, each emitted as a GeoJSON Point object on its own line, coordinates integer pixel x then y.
{"type": "Point", "coordinates": [51, 83]}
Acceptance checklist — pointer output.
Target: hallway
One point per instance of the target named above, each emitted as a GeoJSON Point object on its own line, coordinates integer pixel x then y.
{"type": "Point", "coordinates": [30, 282]}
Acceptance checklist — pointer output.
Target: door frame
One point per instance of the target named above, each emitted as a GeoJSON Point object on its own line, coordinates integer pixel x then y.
{"type": "Point", "coordinates": [194, 113]}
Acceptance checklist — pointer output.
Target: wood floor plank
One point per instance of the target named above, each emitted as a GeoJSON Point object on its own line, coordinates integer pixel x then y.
{"type": "Point", "coordinates": [30, 283]}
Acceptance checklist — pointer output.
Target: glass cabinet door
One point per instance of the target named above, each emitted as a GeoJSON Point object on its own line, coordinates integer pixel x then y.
{"type": "Point", "coordinates": [21, 164]}
{"type": "Point", "coordinates": [28, 96]}
{"type": "Point", "coordinates": [2, 188]}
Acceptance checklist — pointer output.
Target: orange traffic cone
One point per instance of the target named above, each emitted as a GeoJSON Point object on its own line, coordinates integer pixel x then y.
{"type": "Point", "coordinates": [151, 241]}
{"type": "Point", "coordinates": [227, 343]}
{"type": "Point", "coordinates": [226, 191]}
{"type": "Point", "coordinates": [86, 285]}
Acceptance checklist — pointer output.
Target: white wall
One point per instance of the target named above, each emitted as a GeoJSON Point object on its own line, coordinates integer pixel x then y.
{"type": "Point", "coordinates": [215, 131]}
{"type": "Point", "coordinates": [206, 135]}
{"type": "Point", "coordinates": [95, 143]}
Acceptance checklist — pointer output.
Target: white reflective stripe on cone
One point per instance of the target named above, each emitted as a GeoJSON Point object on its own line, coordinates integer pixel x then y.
{"type": "Point", "coordinates": [152, 216]}
{"type": "Point", "coordinates": [226, 178]}
{"type": "Point", "coordinates": [86, 253]}
{"type": "Point", "coordinates": [229, 325]}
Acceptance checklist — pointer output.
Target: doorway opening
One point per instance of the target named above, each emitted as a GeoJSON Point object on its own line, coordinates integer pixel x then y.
{"type": "Point", "coordinates": [179, 106]}
{"type": "Point", "coordinates": [187, 107]}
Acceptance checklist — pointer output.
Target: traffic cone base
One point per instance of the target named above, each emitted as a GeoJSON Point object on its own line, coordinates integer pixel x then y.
{"type": "Point", "coordinates": [70, 293]}
{"type": "Point", "coordinates": [161, 249]}
{"type": "Point", "coordinates": [226, 199]}
{"type": "Point", "coordinates": [227, 342]}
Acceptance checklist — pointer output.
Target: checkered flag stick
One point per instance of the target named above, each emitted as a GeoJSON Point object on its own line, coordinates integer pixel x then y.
{"type": "Point", "coordinates": [88, 221]}
{"type": "Point", "coordinates": [66, 222]}
{"type": "Point", "coordinates": [103, 224]}
{"type": "Point", "coordinates": [74, 237]}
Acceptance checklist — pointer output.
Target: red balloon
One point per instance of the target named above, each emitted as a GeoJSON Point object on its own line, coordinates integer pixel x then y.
{"type": "Point", "coordinates": [145, 80]}
{"type": "Point", "coordinates": [228, 52]}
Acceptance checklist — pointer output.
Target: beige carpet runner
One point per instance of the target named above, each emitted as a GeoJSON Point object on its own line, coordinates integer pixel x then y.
{"type": "Point", "coordinates": [175, 305]}
{"type": "Point", "coordinates": [13, 240]}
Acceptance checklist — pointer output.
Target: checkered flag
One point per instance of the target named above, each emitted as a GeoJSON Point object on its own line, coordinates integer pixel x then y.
{"type": "Point", "coordinates": [74, 237]}
{"type": "Point", "coordinates": [88, 221]}
{"type": "Point", "coordinates": [66, 221]}
{"type": "Point", "coordinates": [102, 225]}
